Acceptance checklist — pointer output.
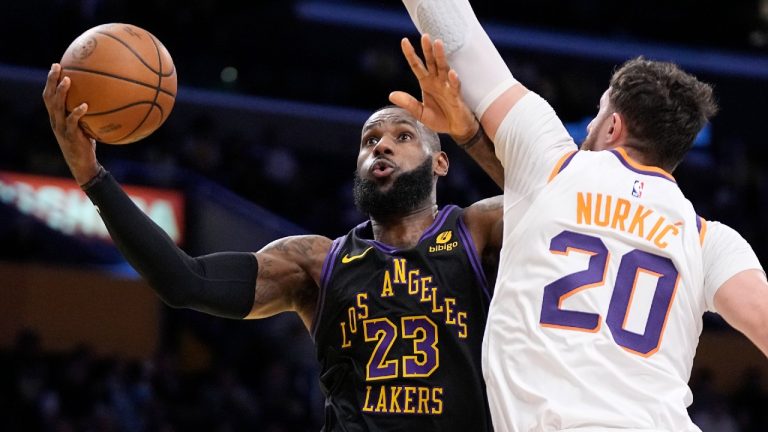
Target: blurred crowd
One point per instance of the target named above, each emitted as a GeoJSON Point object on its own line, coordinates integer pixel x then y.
{"type": "Point", "coordinates": [741, 410]}
{"type": "Point", "coordinates": [263, 377]}
{"type": "Point", "coordinates": [80, 390]}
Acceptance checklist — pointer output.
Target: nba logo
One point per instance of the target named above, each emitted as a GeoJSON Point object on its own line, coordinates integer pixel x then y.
{"type": "Point", "coordinates": [637, 189]}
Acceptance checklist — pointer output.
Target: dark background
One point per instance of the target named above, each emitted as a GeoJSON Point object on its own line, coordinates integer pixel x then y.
{"type": "Point", "coordinates": [284, 136]}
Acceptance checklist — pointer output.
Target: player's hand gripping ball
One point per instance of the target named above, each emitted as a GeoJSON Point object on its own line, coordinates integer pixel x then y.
{"type": "Point", "coordinates": [127, 78]}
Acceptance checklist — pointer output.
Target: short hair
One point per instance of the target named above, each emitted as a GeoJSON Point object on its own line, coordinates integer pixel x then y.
{"type": "Point", "coordinates": [430, 137]}
{"type": "Point", "coordinates": [664, 107]}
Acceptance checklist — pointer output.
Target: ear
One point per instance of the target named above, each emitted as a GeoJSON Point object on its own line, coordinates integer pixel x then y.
{"type": "Point", "coordinates": [440, 164]}
{"type": "Point", "coordinates": [617, 131]}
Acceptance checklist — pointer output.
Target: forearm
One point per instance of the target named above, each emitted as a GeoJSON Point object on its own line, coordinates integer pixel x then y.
{"type": "Point", "coordinates": [220, 284]}
{"type": "Point", "coordinates": [480, 148]}
{"type": "Point", "coordinates": [484, 74]}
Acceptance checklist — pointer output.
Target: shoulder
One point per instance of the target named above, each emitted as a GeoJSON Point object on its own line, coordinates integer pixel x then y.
{"type": "Point", "coordinates": [722, 244]}
{"type": "Point", "coordinates": [489, 208]}
{"type": "Point", "coordinates": [717, 235]}
{"type": "Point", "coordinates": [305, 250]}
{"type": "Point", "coordinates": [725, 253]}
{"type": "Point", "coordinates": [484, 220]}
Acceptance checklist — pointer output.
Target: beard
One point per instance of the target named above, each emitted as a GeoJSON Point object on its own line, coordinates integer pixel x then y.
{"type": "Point", "coordinates": [408, 192]}
{"type": "Point", "coordinates": [588, 143]}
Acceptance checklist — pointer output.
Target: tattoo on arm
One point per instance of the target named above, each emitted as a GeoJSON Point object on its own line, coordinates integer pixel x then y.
{"type": "Point", "coordinates": [288, 271]}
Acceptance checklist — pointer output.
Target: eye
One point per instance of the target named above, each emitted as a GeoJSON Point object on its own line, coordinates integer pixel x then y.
{"type": "Point", "coordinates": [404, 136]}
{"type": "Point", "coordinates": [370, 141]}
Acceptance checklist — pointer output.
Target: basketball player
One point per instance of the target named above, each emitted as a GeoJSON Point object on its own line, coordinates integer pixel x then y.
{"type": "Point", "coordinates": [606, 269]}
{"type": "Point", "coordinates": [396, 308]}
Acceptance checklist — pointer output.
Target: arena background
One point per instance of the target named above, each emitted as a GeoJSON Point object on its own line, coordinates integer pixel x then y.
{"type": "Point", "coordinates": [261, 144]}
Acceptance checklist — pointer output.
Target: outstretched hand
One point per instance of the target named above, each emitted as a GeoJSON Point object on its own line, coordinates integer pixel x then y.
{"type": "Point", "coordinates": [442, 109]}
{"type": "Point", "coordinates": [79, 150]}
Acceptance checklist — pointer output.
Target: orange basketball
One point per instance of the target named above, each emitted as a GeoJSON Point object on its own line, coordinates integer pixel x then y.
{"type": "Point", "coordinates": [127, 78]}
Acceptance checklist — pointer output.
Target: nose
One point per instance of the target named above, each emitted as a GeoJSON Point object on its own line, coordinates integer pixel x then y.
{"type": "Point", "coordinates": [384, 146]}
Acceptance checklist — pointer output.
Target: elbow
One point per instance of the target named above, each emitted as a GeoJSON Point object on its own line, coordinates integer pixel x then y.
{"type": "Point", "coordinates": [756, 330]}
{"type": "Point", "coordinates": [760, 338]}
{"type": "Point", "coordinates": [172, 295]}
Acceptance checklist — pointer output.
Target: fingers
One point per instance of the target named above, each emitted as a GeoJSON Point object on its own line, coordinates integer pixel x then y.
{"type": "Point", "coordinates": [407, 102]}
{"type": "Point", "coordinates": [413, 59]}
{"type": "Point", "coordinates": [435, 61]}
{"type": "Point", "coordinates": [55, 96]}
{"type": "Point", "coordinates": [74, 118]}
{"type": "Point", "coordinates": [429, 55]}
{"type": "Point", "coordinates": [49, 95]}
{"type": "Point", "coordinates": [51, 81]}
{"type": "Point", "coordinates": [441, 61]}
{"type": "Point", "coordinates": [453, 81]}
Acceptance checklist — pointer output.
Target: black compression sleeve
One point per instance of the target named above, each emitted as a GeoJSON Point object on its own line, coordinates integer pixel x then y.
{"type": "Point", "coordinates": [220, 284]}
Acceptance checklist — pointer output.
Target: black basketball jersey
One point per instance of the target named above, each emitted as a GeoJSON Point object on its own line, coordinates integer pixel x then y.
{"type": "Point", "coordinates": [398, 332]}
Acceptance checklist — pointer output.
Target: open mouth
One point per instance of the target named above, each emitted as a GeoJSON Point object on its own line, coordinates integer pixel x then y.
{"type": "Point", "coordinates": [382, 168]}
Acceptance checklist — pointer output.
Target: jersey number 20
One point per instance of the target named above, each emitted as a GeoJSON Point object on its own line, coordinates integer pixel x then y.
{"type": "Point", "coordinates": [632, 264]}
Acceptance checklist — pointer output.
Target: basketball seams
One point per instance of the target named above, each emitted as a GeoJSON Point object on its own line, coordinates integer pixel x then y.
{"type": "Point", "coordinates": [138, 56]}
{"type": "Point", "coordinates": [107, 74]}
{"type": "Point", "coordinates": [157, 90]}
{"type": "Point", "coordinates": [106, 79]}
{"type": "Point", "coordinates": [130, 48]}
{"type": "Point", "coordinates": [132, 104]}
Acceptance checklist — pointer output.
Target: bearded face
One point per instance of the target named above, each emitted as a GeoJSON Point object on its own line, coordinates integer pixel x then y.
{"type": "Point", "coordinates": [407, 192]}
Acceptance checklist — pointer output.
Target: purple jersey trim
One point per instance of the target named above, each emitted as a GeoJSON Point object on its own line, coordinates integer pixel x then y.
{"type": "Point", "coordinates": [698, 223]}
{"type": "Point", "coordinates": [631, 167]}
{"type": "Point", "coordinates": [325, 274]}
{"type": "Point", "coordinates": [474, 257]}
{"type": "Point", "coordinates": [436, 225]}
{"type": "Point", "coordinates": [566, 162]}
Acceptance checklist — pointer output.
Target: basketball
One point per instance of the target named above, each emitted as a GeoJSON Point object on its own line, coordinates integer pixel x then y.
{"type": "Point", "coordinates": [127, 78]}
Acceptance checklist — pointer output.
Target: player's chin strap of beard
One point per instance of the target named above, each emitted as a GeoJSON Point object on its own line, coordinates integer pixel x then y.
{"type": "Point", "coordinates": [220, 284]}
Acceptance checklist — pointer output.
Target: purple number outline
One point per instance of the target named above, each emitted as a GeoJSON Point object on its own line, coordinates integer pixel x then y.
{"type": "Point", "coordinates": [632, 264]}
{"type": "Point", "coordinates": [385, 333]}
{"type": "Point", "coordinates": [411, 326]}
{"type": "Point", "coordinates": [556, 292]}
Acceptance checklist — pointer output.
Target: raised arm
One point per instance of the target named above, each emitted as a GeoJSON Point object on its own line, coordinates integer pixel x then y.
{"type": "Point", "coordinates": [487, 79]}
{"type": "Point", "coordinates": [281, 277]}
{"type": "Point", "coordinates": [528, 136]}
{"type": "Point", "coordinates": [442, 108]}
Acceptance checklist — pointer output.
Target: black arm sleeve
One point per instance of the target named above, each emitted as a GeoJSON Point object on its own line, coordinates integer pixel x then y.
{"type": "Point", "coordinates": [220, 284]}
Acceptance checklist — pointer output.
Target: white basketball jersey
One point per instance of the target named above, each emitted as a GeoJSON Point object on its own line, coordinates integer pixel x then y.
{"type": "Point", "coordinates": [597, 313]}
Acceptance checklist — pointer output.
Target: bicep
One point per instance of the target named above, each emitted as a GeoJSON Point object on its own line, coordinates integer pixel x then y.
{"type": "Point", "coordinates": [288, 278]}
{"type": "Point", "coordinates": [484, 219]}
{"type": "Point", "coordinates": [743, 302]}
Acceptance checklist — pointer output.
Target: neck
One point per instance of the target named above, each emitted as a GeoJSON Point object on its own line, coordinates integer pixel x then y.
{"type": "Point", "coordinates": [404, 230]}
{"type": "Point", "coordinates": [637, 153]}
